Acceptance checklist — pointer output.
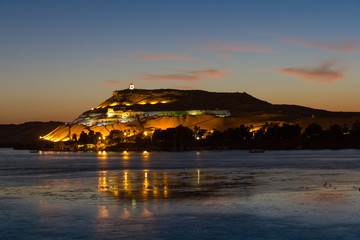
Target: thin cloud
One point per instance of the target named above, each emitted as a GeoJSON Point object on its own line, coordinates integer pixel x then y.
{"type": "Point", "coordinates": [186, 75]}
{"type": "Point", "coordinates": [170, 77]}
{"type": "Point", "coordinates": [235, 47]}
{"type": "Point", "coordinates": [223, 55]}
{"type": "Point", "coordinates": [179, 75]}
{"type": "Point", "coordinates": [151, 56]}
{"type": "Point", "coordinates": [344, 47]}
{"type": "Point", "coordinates": [328, 72]}
{"type": "Point", "coordinates": [213, 73]}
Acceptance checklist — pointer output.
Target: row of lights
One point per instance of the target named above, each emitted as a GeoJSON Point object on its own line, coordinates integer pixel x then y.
{"type": "Point", "coordinates": [124, 152]}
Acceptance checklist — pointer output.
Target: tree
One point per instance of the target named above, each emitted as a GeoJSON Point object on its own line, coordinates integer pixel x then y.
{"type": "Point", "coordinates": [91, 137]}
{"type": "Point", "coordinates": [244, 132]}
{"type": "Point", "coordinates": [313, 129]}
{"type": "Point", "coordinates": [116, 136]}
{"type": "Point", "coordinates": [83, 138]}
{"type": "Point", "coordinates": [178, 138]}
{"type": "Point", "coordinates": [335, 131]}
{"type": "Point", "coordinates": [355, 130]}
{"type": "Point", "coordinates": [74, 137]}
{"type": "Point", "coordinates": [97, 137]}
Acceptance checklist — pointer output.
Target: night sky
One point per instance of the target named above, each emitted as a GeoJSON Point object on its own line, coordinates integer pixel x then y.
{"type": "Point", "coordinates": [60, 58]}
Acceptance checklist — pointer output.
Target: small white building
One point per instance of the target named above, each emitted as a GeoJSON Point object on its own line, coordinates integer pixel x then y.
{"type": "Point", "coordinates": [131, 86]}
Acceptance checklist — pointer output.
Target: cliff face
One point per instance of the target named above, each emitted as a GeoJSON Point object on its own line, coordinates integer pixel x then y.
{"type": "Point", "coordinates": [139, 110]}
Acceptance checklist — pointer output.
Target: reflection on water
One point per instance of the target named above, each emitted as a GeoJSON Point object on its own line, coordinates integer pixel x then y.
{"type": "Point", "coordinates": [152, 184]}
{"type": "Point", "coordinates": [203, 195]}
{"type": "Point", "coordinates": [140, 193]}
{"type": "Point", "coordinates": [198, 177]}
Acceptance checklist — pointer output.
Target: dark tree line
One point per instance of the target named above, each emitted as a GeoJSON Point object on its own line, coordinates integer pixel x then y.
{"type": "Point", "coordinates": [268, 136]}
{"type": "Point", "coordinates": [175, 139]}
{"type": "Point", "coordinates": [87, 138]}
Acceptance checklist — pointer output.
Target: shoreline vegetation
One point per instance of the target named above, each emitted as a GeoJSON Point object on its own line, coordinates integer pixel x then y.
{"type": "Point", "coordinates": [270, 136]}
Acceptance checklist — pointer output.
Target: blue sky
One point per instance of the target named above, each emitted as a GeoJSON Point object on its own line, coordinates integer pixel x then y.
{"type": "Point", "coordinates": [60, 58]}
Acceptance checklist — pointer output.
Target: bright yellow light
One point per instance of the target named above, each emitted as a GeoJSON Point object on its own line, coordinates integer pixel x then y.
{"type": "Point", "coordinates": [104, 138]}
{"type": "Point", "coordinates": [145, 152]}
{"type": "Point", "coordinates": [145, 174]}
{"type": "Point", "coordinates": [145, 133]}
{"type": "Point", "coordinates": [154, 102]}
{"type": "Point", "coordinates": [124, 133]}
{"type": "Point", "coordinates": [142, 103]}
{"type": "Point", "coordinates": [125, 152]}
{"type": "Point", "coordinates": [198, 177]}
{"type": "Point", "coordinates": [125, 180]}
{"type": "Point", "coordinates": [102, 153]}
{"type": "Point", "coordinates": [99, 138]}
{"type": "Point", "coordinates": [164, 101]}
{"type": "Point", "coordinates": [197, 138]}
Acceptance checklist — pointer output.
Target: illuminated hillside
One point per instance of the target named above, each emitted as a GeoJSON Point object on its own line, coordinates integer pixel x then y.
{"type": "Point", "coordinates": [139, 110]}
{"type": "Point", "coordinates": [129, 105]}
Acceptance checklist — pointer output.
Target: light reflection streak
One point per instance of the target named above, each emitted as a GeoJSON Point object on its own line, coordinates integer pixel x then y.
{"type": "Point", "coordinates": [198, 176]}
{"type": "Point", "coordinates": [165, 184]}
{"type": "Point", "coordinates": [125, 160]}
{"type": "Point", "coordinates": [126, 213]}
{"type": "Point", "coordinates": [102, 182]}
{"type": "Point", "coordinates": [102, 155]}
{"type": "Point", "coordinates": [138, 191]}
{"type": "Point", "coordinates": [146, 212]}
{"type": "Point", "coordinates": [147, 182]}
{"type": "Point", "coordinates": [145, 185]}
{"type": "Point", "coordinates": [146, 160]}
{"type": "Point", "coordinates": [103, 212]}
{"type": "Point", "coordinates": [126, 184]}
{"type": "Point", "coordinates": [150, 185]}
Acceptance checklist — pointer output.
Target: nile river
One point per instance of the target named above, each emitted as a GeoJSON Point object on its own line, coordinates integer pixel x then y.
{"type": "Point", "coordinates": [180, 195]}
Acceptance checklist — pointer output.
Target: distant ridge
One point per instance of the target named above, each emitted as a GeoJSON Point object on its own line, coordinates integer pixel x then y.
{"type": "Point", "coordinates": [25, 135]}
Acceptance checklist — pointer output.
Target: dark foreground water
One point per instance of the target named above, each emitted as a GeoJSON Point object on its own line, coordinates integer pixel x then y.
{"type": "Point", "coordinates": [186, 195]}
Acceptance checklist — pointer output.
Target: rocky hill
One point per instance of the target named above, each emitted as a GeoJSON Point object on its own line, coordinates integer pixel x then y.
{"type": "Point", "coordinates": [146, 110]}
{"type": "Point", "coordinates": [238, 104]}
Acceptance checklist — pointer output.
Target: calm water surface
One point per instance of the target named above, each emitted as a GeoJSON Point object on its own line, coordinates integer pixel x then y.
{"type": "Point", "coordinates": [180, 195]}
